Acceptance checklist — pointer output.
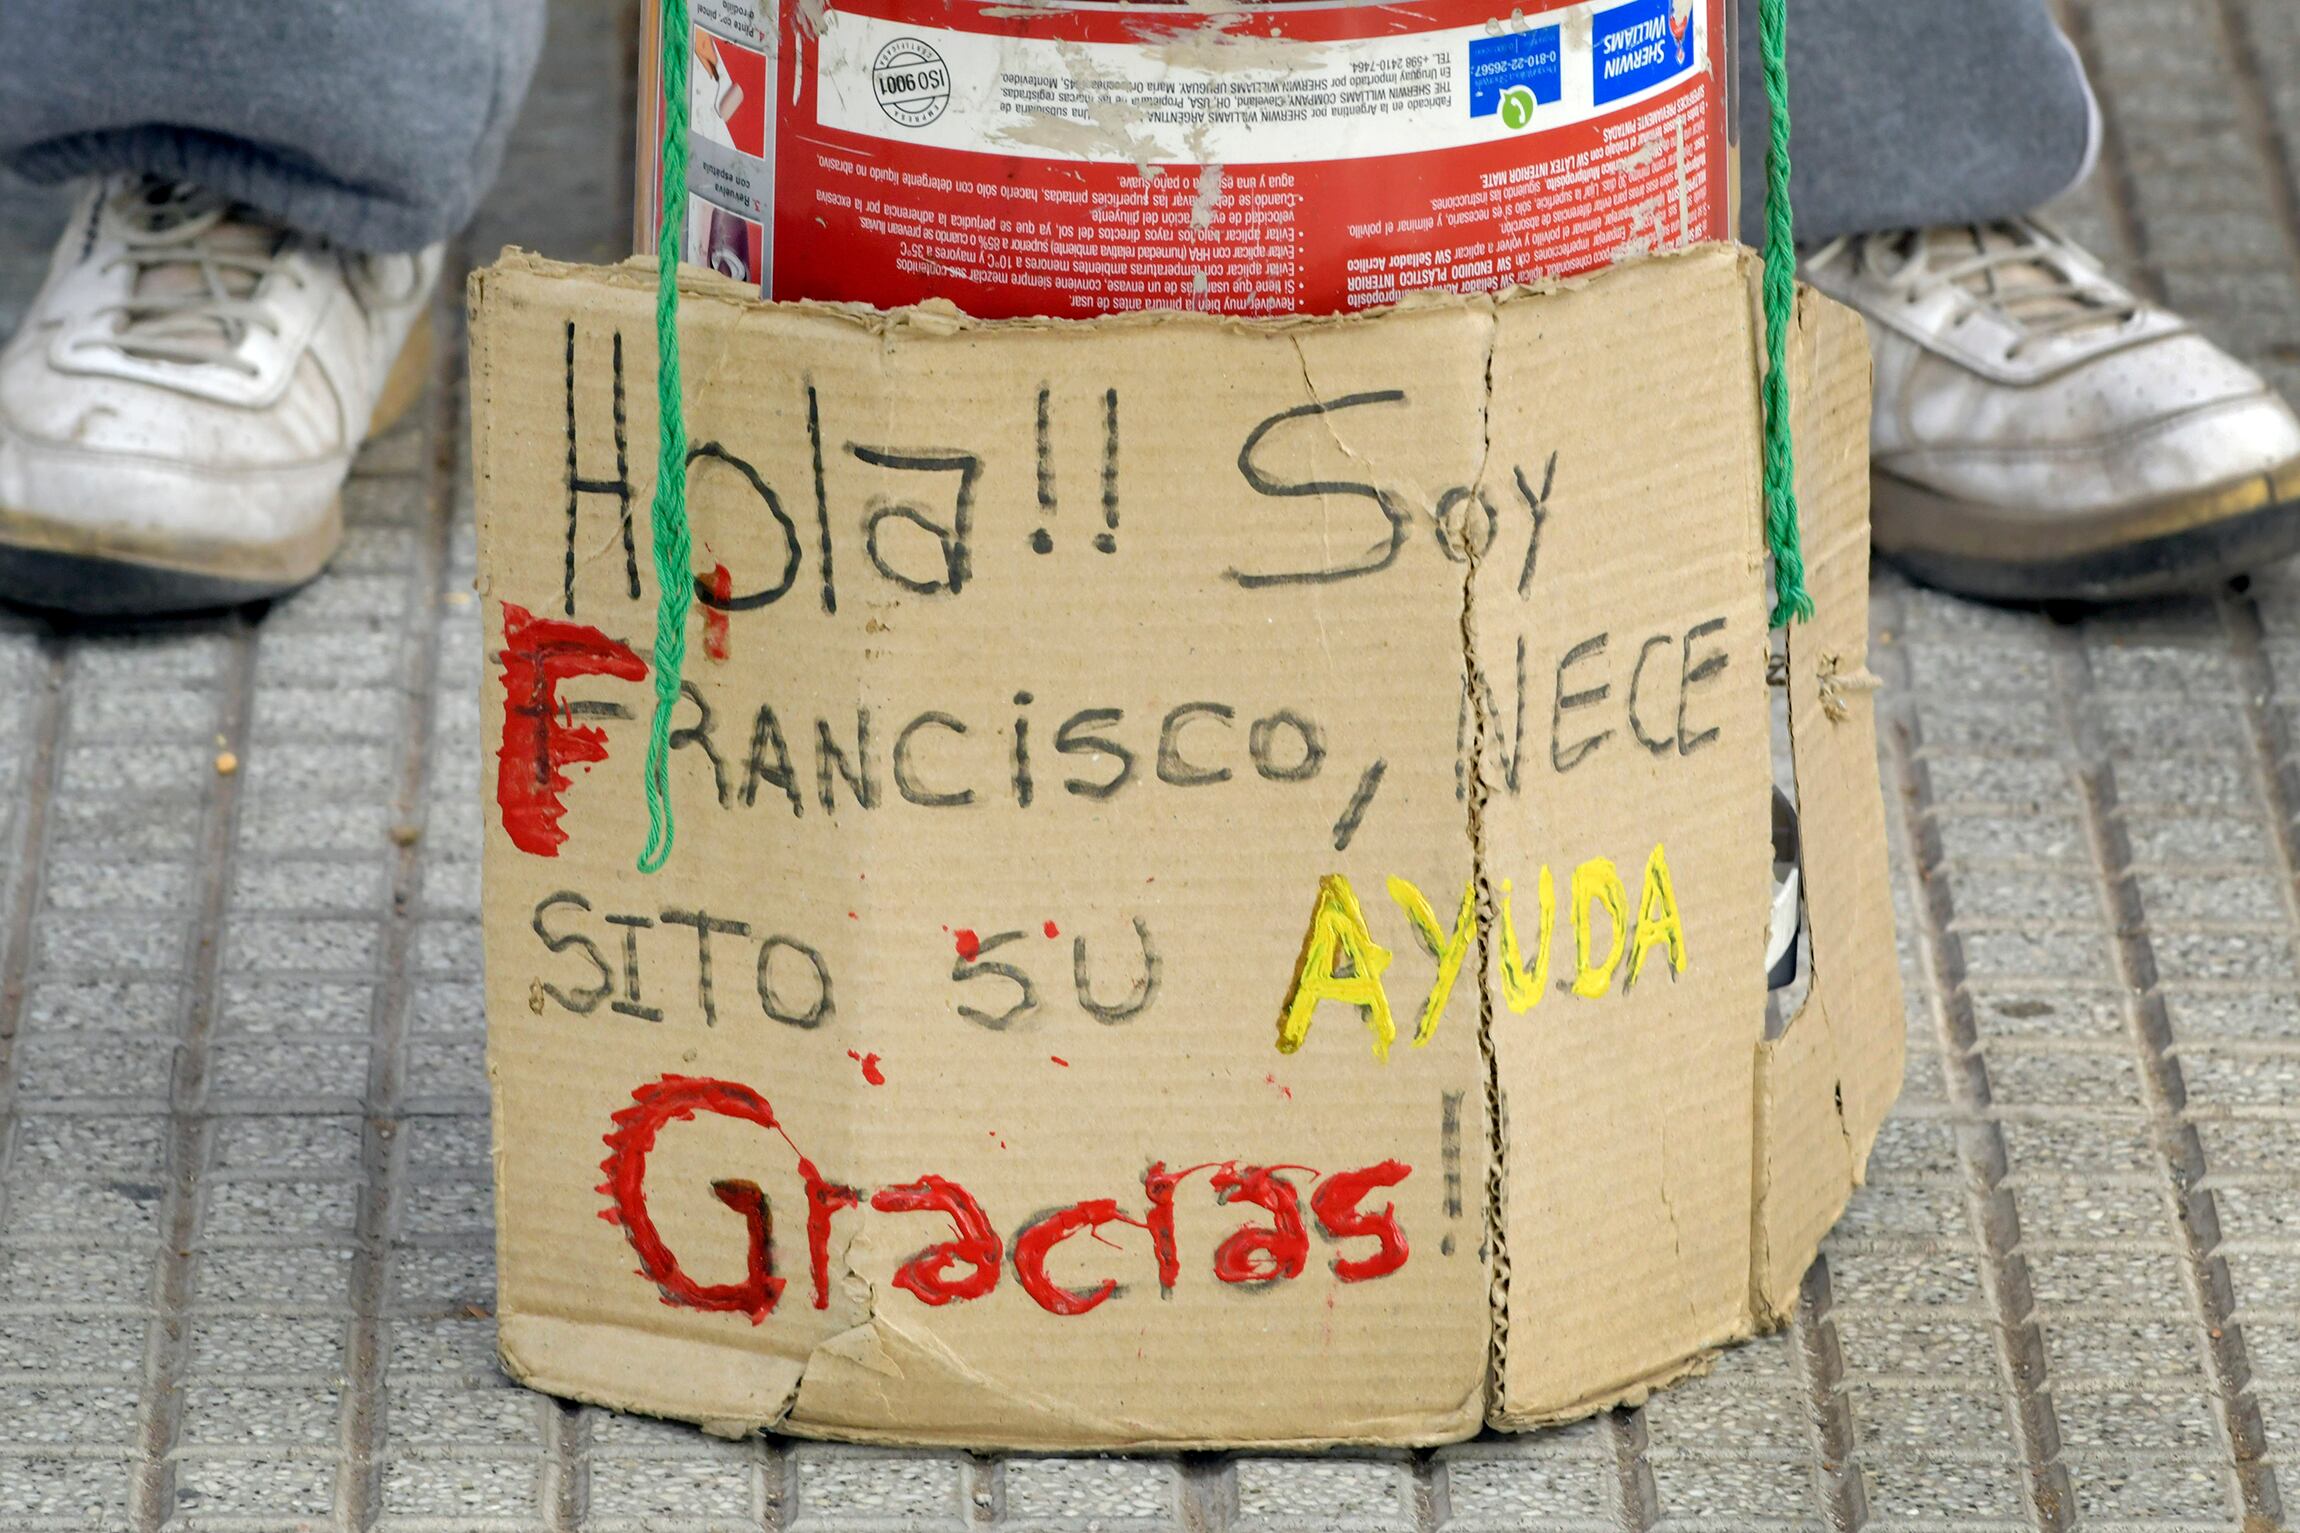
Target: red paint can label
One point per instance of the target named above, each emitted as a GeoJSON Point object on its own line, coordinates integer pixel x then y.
{"type": "Point", "coordinates": [1080, 159]}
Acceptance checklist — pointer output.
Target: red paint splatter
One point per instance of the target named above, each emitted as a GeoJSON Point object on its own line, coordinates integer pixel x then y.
{"type": "Point", "coordinates": [852, 916]}
{"type": "Point", "coordinates": [1052, 931]}
{"type": "Point", "coordinates": [714, 620]}
{"type": "Point", "coordinates": [1058, 1059]}
{"type": "Point", "coordinates": [969, 945]}
{"type": "Point", "coordinates": [540, 738]}
{"type": "Point", "coordinates": [1272, 1080]}
{"type": "Point", "coordinates": [870, 1069]}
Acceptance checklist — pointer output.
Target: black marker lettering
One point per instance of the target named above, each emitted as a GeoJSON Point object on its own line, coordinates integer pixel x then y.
{"type": "Point", "coordinates": [629, 1005]}
{"type": "Point", "coordinates": [906, 780]}
{"type": "Point", "coordinates": [580, 1002]}
{"type": "Point", "coordinates": [1172, 768]}
{"type": "Point", "coordinates": [766, 734]}
{"type": "Point", "coordinates": [772, 1003]}
{"type": "Point", "coordinates": [619, 486]}
{"type": "Point", "coordinates": [1666, 743]}
{"type": "Point", "coordinates": [1562, 756]}
{"type": "Point", "coordinates": [1072, 740]}
{"type": "Point", "coordinates": [1537, 507]}
{"type": "Point", "coordinates": [1710, 665]}
{"type": "Point", "coordinates": [829, 757]}
{"type": "Point", "coordinates": [966, 969]}
{"type": "Point", "coordinates": [1261, 744]}
{"type": "Point", "coordinates": [750, 601]}
{"type": "Point", "coordinates": [705, 925]}
{"type": "Point", "coordinates": [1382, 554]}
{"type": "Point", "coordinates": [957, 562]}
{"type": "Point", "coordinates": [699, 735]}
{"type": "Point", "coordinates": [1138, 998]}
{"type": "Point", "coordinates": [1024, 790]}
{"type": "Point", "coordinates": [1458, 503]}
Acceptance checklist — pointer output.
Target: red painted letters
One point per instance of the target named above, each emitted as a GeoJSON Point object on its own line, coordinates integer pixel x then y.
{"type": "Point", "coordinates": [967, 1266]}
{"type": "Point", "coordinates": [1336, 1205]}
{"type": "Point", "coordinates": [1037, 1241]}
{"type": "Point", "coordinates": [1262, 1253]}
{"type": "Point", "coordinates": [540, 736]}
{"type": "Point", "coordinates": [926, 1273]}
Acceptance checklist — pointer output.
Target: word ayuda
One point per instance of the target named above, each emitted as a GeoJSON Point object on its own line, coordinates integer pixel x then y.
{"type": "Point", "coordinates": [1341, 962]}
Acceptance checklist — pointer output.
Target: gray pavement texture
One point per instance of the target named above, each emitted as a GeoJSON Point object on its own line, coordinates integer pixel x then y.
{"type": "Point", "coordinates": [245, 1259]}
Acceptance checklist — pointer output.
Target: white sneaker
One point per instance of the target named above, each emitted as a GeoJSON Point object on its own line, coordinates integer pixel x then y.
{"type": "Point", "coordinates": [182, 401]}
{"type": "Point", "coordinates": [2043, 434]}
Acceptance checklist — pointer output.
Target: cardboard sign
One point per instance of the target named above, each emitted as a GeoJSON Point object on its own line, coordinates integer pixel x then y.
{"type": "Point", "coordinates": [1222, 868]}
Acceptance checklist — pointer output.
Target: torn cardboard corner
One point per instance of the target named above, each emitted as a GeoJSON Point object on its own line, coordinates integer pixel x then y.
{"type": "Point", "coordinates": [1222, 868]}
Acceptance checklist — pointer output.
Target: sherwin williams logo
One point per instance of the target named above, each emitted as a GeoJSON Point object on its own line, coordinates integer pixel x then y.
{"type": "Point", "coordinates": [911, 82]}
{"type": "Point", "coordinates": [1511, 74]}
{"type": "Point", "coordinates": [1639, 45]}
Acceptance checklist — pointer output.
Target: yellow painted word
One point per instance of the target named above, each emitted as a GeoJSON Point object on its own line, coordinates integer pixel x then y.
{"type": "Point", "coordinates": [1341, 961]}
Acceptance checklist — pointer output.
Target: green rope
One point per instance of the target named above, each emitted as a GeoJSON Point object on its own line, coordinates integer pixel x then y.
{"type": "Point", "coordinates": [674, 554]}
{"type": "Point", "coordinates": [1790, 597]}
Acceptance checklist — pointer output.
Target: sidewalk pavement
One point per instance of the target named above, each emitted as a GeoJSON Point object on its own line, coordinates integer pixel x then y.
{"type": "Point", "coordinates": [245, 1256]}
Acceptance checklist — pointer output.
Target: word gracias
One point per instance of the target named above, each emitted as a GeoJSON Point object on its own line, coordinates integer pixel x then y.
{"type": "Point", "coordinates": [971, 1263]}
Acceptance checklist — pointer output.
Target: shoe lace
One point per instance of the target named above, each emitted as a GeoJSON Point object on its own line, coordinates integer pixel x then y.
{"type": "Point", "coordinates": [199, 266]}
{"type": "Point", "coordinates": [2024, 272]}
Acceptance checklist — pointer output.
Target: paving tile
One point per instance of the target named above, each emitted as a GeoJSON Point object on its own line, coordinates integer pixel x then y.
{"type": "Point", "coordinates": [461, 1488]}
{"type": "Point", "coordinates": [1562, 1478]}
{"type": "Point", "coordinates": [82, 1491]}
{"type": "Point", "coordinates": [34, 1416]}
{"type": "Point", "coordinates": [726, 1489]}
{"type": "Point", "coordinates": [858, 1488]}
{"type": "Point", "coordinates": [1298, 1495]}
{"type": "Point", "coordinates": [213, 1487]}
{"type": "Point", "coordinates": [1113, 1494]}
{"type": "Point", "coordinates": [1945, 1491]}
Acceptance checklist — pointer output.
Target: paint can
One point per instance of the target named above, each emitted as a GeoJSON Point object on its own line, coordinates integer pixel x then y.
{"type": "Point", "coordinates": [1075, 159]}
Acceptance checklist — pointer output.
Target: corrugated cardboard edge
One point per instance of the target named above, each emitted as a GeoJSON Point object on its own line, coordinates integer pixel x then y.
{"type": "Point", "coordinates": [1821, 1091]}
{"type": "Point", "coordinates": [936, 317]}
{"type": "Point", "coordinates": [1824, 1087]}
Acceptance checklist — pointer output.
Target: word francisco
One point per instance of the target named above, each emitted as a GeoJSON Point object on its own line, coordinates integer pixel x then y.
{"type": "Point", "coordinates": [793, 979]}
{"type": "Point", "coordinates": [932, 758]}
{"type": "Point", "coordinates": [972, 1262]}
{"type": "Point", "coordinates": [916, 505]}
{"type": "Point", "coordinates": [1341, 962]}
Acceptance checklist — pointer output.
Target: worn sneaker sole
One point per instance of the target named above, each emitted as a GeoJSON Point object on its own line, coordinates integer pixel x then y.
{"type": "Point", "coordinates": [2186, 544]}
{"type": "Point", "coordinates": [93, 572]}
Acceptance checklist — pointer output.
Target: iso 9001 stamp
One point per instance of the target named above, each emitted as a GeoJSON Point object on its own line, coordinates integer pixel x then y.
{"type": "Point", "coordinates": [911, 82]}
